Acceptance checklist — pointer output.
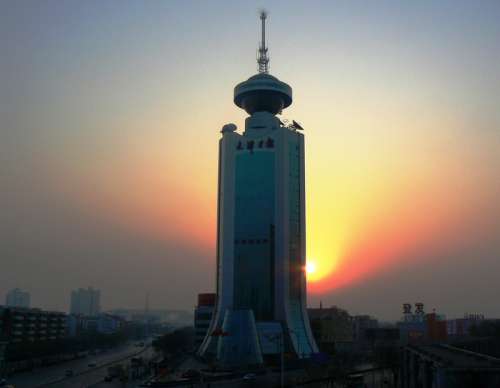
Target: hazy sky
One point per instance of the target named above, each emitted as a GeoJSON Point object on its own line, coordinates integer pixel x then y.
{"type": "Point", "coordinates": [110, 115]}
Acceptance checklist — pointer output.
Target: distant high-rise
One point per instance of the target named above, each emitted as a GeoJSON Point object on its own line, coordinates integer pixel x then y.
{"type": "Point", "coordinates": [18, 298]}
{"type": "Point", "coordinates": [85, 301]}
{"type": "Point", "coordinates": [261, 227]}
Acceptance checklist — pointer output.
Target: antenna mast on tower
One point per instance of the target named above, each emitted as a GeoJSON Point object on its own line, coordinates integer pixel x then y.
{"type": "Point", "coordinates": [263, 59]}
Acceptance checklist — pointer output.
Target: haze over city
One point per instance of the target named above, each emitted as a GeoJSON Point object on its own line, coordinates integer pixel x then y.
{"type": "Point", "coordinates": [110, 116]}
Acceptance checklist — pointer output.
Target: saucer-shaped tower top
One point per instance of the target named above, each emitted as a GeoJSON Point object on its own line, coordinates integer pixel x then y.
{"type": "Point", "coordinates": [263, 92]}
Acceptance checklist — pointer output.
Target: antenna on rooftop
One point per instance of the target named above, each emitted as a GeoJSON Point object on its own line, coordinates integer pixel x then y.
{"type": "Point", "coordinates": [263, 59]}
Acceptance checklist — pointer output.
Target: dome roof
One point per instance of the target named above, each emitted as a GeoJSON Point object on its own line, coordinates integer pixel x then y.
{"type": "Point", "coordinates": [263, 76]}
{"type": "Point", "coordinates": [263, 92]}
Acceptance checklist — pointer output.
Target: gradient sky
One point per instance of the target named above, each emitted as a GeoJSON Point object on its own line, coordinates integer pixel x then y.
{"type": "Point", "coordinates": [110, 115]}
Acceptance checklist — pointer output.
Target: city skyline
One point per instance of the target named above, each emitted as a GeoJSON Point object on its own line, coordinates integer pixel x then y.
{"type": "Point", "coordinates": [110, 120]}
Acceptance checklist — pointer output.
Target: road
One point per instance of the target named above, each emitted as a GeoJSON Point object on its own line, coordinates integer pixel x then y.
{"type": "Point", "coordinates": [262, 378]}
{"type": "Point", "coordinates": [84, 376]}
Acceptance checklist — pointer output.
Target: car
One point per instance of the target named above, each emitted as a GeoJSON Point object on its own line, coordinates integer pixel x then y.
{"type": "Point", "coordinates": [108, 378]}
{"type": "Point", "coordinates": [92, 365]}
{"type": "Point", "coordinates": [250, 376]}
{"type": "Point", "coordinates": [69, 372]}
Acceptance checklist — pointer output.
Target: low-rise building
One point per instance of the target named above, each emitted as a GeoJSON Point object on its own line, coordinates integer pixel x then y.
{"type": "Point", "coordinates": [32, 325]}
{"type": "Point", "coordinates": [203, 316]}
{"type": "Point", "coordinates": [461, 326]}
{"type": "Point", "coordinates": [332, 328]}
{"type": "Point", "coordinates": [420, 327]}
{"type": "Point", "coordinates": [382, 337]}
{"type": "Point", "coordinates": [102, 324]}
{"type": "Point", "coordinates": [360, 324]}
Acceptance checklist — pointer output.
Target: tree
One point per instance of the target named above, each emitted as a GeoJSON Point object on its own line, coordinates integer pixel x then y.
{"type": "Point", "coordinates": [180, 340]}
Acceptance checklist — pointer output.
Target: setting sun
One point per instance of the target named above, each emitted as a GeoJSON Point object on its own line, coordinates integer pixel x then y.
{"type": "Point", "coordinates": [310, 267]}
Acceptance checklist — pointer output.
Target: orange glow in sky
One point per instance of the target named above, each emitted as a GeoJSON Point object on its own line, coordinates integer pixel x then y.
{"type": "Point", "coordinates": [383, 181]}
{"type": "Point", "coordinates": [112, 122]}
{"type": "Point", "coordinates": [373, 197]}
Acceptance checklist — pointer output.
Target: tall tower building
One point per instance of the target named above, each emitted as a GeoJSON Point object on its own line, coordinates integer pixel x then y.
{"type": "Point", "coordinates": [261, 225]}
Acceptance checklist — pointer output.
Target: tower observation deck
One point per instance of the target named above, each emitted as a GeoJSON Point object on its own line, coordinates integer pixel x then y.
{"type": "Point", "coordinates": [263, 92]}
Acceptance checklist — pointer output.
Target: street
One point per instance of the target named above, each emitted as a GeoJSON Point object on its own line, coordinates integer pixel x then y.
{"type": "Point", "coordinates": [84, 376]}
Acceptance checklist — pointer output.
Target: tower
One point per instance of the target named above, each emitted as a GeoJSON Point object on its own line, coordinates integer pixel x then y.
{"type": "Point", "coordinates": [261, 226]}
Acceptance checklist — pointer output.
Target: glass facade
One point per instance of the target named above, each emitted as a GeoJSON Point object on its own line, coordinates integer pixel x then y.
{"type": "Point", "coordinates": [295, 245]}
{"type": "Point", "coordinates": [263, 210]}
{"type": "Point", "coordinates": [254, 232]}
{"type": "Point", "coordinates": [297, 262]}
{"type": "Point", "coordinates": [260, 234]}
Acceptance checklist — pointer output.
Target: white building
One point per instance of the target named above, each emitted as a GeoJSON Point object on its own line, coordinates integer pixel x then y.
{"type": "Point", "coordinates": [102, 323]}
{"type": "Point", "coordinates": [462, 326]}
{"type": "Point", "coordinates": [85, 302]}
{"type": "Point", "coordinates": [261, 240]}
{"type": "Point", "coordinates": [18, 298]}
